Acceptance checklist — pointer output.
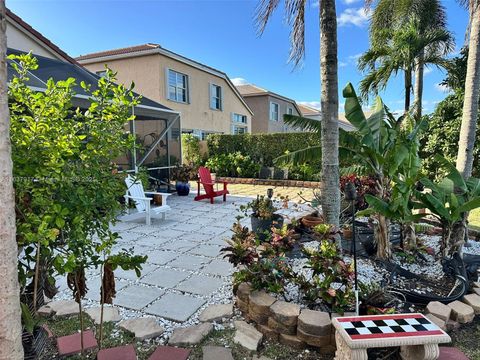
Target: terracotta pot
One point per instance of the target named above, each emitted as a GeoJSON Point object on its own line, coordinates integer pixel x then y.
{"type": "Point", "coordinates": [348, 234]}
{"type": "Point", "coordinates": [311, 221]}
{"type": "Point", "coordinates": [157, 199]}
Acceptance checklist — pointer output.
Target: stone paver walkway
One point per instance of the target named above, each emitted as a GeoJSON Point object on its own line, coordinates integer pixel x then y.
{"type": "Point", "coordinates": [185, 270]}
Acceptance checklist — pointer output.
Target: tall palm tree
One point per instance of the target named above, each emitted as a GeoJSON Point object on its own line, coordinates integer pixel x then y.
{"type": "Point", "coordinates": [472, 92]}
{"type": "Point", "coordinates": [10, 325]}
{"type": "Point", "coordinates": [295, 13]}
{"type": "Point", "coordinates": [389, 13]}
{"type": "Point", "coordinates": [397, 49]}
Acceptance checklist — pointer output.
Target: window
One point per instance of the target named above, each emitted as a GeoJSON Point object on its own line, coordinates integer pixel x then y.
{"type": "Point", "coordinates": [273, 111]}
{"type": "Point", "coordinates": [101, 73]}
{"type": "Point", "coordinates": [215, 97]}
{"type": "Point", "coordinates": [238, 118]}
{"type": "Point", "coordinates": [239, 129]}
{"type": "Point", "coordinates": [177, 86]}
{"type": "Point", "coordinates": [290, 111]}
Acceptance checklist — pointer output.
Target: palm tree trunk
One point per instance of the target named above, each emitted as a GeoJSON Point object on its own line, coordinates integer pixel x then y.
{"type": "Point", "coordinates": [10, 321]}
{"type": "Point", "coordinates": [470, 103]}
{"type": "Point", "coordinates": [408, 88]}
{"type": "Point", "coordinates": [329, 104]}
{"type": "Point", "coordinates": [419, 87]}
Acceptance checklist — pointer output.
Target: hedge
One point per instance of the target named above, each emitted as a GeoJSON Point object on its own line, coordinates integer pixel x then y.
{"type": "Point", "coordinates": [262, 148]}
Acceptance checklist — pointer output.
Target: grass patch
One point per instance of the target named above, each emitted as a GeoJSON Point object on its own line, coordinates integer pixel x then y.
{"type": "Point", "coordinates": [466, 339]}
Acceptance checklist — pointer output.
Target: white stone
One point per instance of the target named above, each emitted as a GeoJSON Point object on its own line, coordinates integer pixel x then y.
{"type": "Point", "coordinates": [191, 335]}
{"type": "Point", "coordinates": [143, 328]}
{"type": "Point", "coordinates": [216, 313]}
{"type": "Point", "coordinates": [109, 314]}
{"type": "Point", "coordinates": [247, 336]}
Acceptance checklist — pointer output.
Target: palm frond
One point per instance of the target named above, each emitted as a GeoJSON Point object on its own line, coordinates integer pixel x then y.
{"type": "Point", "coordinates": [302, 156]}
{"type": "Point", "coordinates": [303, 123]}
{"type": "Point", "coordinates": [295, 11]}
{"type": "Point", "coordinates": [264, 10]}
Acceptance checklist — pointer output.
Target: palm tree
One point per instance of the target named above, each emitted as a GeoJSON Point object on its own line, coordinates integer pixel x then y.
{"type": "Point", "coordinates": [295, 13]}
{"type": "Point", "coordinates": [397, 49]}
{"type": "Point", "coordinates": [472, 92]}
{"type": "Point", "coordinates": [389, 13]}
{"type": "Point", "coordinates": [10, 323]}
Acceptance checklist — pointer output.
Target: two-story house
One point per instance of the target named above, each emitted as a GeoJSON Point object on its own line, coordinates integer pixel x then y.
{"type": "Point", "coordinates": [207, 99]}
{"type": "Point", "coordinates": [268, 108]}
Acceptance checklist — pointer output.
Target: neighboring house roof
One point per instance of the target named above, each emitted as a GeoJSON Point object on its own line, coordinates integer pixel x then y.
{"type": "Point", "coordinates": [20, 23]}
{"type": "Point", "coordinates": [152, 48]}
{"type": "Point", "coordinates": [254, 90]}
{"type": "Point", "coordinates": [59, 70]}
{"type": "Point", "coordinates": [308, 110]}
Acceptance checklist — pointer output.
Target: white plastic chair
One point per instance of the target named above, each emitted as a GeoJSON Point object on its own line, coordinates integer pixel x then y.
{"type": "Point", "coordinates": [142, 203]}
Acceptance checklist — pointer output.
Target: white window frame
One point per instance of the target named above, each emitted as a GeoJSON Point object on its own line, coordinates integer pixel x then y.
{"type": "Point", "coordinates": [213, 96]}
{"type": "Point", "coordinates": [290, 111]}
{"type": "Point", "coordinates": [237, 124]}
{"type": "Point", "coordinates": [187, 88]}
{"type": "Point", "coordinates": [270, 111]}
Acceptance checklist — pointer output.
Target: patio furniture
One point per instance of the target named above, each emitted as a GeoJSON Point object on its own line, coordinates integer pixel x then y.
{"type": "Point", "coordinates": [142, 202]}
{"type": "Point", "coordinates": [417, 336]}
{"type": "Point", "coordinates": [205, 178]}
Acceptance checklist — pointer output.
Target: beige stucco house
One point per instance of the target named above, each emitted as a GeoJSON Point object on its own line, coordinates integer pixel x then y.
{"type": "Point", "coordinates": [207, 99]}
{"type": "Point", "coordinates": [268, 108]}
{"type": "Point", "coordinates": [315, 114]}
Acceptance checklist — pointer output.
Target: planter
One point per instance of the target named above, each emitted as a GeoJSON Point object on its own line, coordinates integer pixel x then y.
{"type": "Point", "coordinates": [348, 234]}
{"type": "Point", "coordinates": [183, 189]}
{"type": "Point", "coordinates": [157, 200]}
{"type": "Point", "coordinates": [311, 221]}
{"type": "Point", "coordinates": [376, 310]}
{"type": "Point", "coordinates": [263, 226]}
{"type": "Point", "coordinates": [33, 344]}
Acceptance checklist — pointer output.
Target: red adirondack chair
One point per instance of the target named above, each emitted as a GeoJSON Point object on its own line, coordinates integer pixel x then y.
{"type": "Point", "coordinates": [205, 178]}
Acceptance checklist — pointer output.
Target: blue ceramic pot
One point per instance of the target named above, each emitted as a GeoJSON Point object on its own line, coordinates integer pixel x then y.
{"type": "Point", "coordinates": [183, 189]}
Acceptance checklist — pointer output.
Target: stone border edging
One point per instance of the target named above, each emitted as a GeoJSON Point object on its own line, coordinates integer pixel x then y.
{"type": "Point", "coordinates": [272, 182]}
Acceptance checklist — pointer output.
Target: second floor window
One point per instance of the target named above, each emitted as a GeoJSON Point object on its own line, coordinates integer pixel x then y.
{"type": "Point", "coordinates": [273, 111]}
{"type": "Point", "coordinates": [290, 111]}
{"type": "Point", "coordinates": [215, 97]}
{"type": "Point", "coordinates": [177, 86]}
{"type": "Point", "coordinates": [238, 118]}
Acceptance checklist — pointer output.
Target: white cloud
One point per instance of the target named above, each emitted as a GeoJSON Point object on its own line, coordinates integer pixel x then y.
{"type": "Point", "coordinates": [356, 17]}
{"type": "Point", "coordinates": [442, 88]}
{"type": "Point", "coordinates": [427, 70]}
{"type": "Point", "coordinates": [313, 104]}
{"type": "Point", "coordinates": [349, 2]}
{"type": "Point", "coordinates": [239, 81]}
{"type": "Point", "coordinates": [315, 4]}
{"type": "Point", "coordinates": [342, 64]}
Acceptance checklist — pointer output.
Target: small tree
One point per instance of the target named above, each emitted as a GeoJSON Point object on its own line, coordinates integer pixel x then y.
{"type": "Point", "coordinates": [68, 190]}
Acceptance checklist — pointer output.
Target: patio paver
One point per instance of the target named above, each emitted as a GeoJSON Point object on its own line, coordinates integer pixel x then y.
{"type": "Point", "coordinates": [207, 250]}
{"type": "Point", "coordinates": [189, 262]}
{"type": "Point", "coordinates": [218, 267]}
{"type": "Point", "coordinates": [165, 278]}
{"type": "Point", "coordinates": [137, 297]}
{"type": "Point", "coordinates": [200, 284]}
{"type": "Point", "coordinates": [160, 257]}
{"type": "Point", "coordinates": [175, 307]}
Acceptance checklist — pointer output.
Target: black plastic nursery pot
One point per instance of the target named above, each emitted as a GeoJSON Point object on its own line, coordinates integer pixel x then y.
{"type": "Point", "coordinates": [33, 344]}
{"type": "Point", "coordinates": [262, 227]}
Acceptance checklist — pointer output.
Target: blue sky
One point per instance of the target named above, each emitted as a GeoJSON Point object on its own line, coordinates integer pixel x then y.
{"type": "Point", "coordinates": [221, 34]}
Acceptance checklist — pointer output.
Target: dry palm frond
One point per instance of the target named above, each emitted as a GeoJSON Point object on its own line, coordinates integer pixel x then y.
{"type": "Point", "coordinates": [107, 290]}
{"type": "Point", "coordinates": [76, 282]}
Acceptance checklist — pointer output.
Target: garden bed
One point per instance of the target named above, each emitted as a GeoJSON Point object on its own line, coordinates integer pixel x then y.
{"type": "Point", "coordinates": [284, 183]}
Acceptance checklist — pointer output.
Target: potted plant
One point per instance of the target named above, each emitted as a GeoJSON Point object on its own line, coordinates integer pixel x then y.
{"type": "Point", "coordinates": [263, 216]}
{"type": "Point", "coordinates": [347, 232]}
{"type": "Point", "coordinates": [182, 174]}
{"type": "Point", "coordinates": [312, 220]}
{"type": "Point", "coordinates": [377, 299]}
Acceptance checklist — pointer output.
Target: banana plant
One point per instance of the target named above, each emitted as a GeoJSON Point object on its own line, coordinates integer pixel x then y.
{"type": "Point", "coordinates": [450, 199]}
{"type": "Point", "coordinates": [388, 149]}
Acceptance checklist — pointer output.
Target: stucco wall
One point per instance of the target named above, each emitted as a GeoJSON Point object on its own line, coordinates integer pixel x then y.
{"type": "Point", "coordinates": [261, 122]}
{"type": "Point", "coordinates": [18, 40]}
{"type": "Point", "coordinates": [149, 73]}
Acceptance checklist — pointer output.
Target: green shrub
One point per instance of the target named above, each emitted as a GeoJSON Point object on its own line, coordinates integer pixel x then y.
{"type": "Point", "coordinates": [191, 150]}
{"type": "Point", "coordinates": [233, 164]}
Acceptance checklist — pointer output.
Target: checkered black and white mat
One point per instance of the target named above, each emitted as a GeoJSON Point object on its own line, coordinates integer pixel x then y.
{"type": "Point", "coordinates": [372, 327]}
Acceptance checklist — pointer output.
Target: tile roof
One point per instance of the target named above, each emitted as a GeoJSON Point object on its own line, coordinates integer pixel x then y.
{"type": "Point", "coordinates": [308, 110]}
{"type": "Point", "coordinates": [40, 37]}
{"type": "Point", "coordinates": [120, 51]}
{"type": "Point", "coordinates": [249, 89]}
